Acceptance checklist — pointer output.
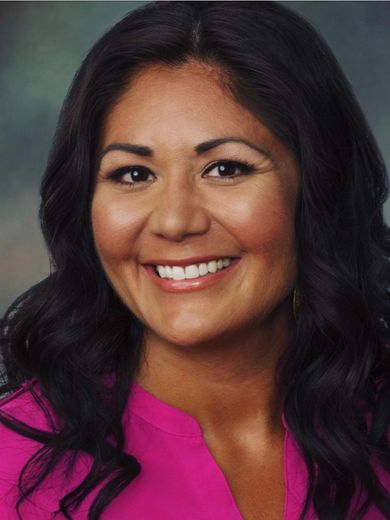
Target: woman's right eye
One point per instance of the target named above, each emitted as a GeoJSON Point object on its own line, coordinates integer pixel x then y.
{"type": "Point", "coordinates": [130, 175]}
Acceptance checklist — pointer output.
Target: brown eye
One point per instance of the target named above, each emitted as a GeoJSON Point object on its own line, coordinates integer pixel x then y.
{"type": "Point", "coordinates": [131, 175]}
{"type": "Point", "coordinates": [229, 169]}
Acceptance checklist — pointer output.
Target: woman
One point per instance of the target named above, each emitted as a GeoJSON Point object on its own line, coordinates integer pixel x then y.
{"type": "Point", "coordinates": [211, 342]}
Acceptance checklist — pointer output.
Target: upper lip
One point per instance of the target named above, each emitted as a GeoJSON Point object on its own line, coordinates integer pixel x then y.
{"type": "Point", "coordinates": [186, 261]}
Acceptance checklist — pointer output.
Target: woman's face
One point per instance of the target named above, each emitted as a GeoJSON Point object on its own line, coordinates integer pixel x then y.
{"type": "Point", "coordinates": [175, 201]}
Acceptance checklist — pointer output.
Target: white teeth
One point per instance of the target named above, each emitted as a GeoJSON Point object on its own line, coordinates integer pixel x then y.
{"type": "Point", "coordinates": [203, 269]}
{"type": "Point", "coordinates": [212, 266]}
{"type": "Point", "coordinates": [161, 271]}
{"type": "Point", "coordinates": [178, 273]}
{"type": "Point", "coordinates": [192, 271]}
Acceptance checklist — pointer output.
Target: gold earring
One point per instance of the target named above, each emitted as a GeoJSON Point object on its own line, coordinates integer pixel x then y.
{"type": "Point", "coordinates": [296, 301]}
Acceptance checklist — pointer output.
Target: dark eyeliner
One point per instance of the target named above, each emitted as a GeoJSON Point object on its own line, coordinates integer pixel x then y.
{"type": "Point", "coordinates": [245, 167]}
{"type": "Point", "coordinates": [116, 174]}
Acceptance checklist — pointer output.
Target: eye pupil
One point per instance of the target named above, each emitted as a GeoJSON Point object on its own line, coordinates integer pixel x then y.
{"type": "Point", "coordinates": [226, 169]}
{"type": "Point", "coordinates": [138, 175]}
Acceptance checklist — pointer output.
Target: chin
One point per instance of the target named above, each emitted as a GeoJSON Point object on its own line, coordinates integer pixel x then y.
{"type": "Point", "coordinates": [189, 338]}
{"type": "Point", "coordinates": [194, 337]}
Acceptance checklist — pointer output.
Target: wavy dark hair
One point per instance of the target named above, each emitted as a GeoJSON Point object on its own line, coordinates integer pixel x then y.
{"type": "Point", "coordinates": [70, 331]}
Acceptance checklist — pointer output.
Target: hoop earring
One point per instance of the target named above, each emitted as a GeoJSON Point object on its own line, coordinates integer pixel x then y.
{"type": "Point", "coordinates": [296, 301]}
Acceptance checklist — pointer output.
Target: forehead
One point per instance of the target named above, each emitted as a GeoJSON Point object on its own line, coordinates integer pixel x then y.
{"type": "Point", "coordinates": [177, 106]}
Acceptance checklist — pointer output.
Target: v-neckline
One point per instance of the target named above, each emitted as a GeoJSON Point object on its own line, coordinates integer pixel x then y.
{"type": "Point", "coordinates": [175, 421]}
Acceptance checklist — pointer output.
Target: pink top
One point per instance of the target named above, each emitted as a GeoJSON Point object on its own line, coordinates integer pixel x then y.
{"type": "Point", "coordinates": [179, 478]}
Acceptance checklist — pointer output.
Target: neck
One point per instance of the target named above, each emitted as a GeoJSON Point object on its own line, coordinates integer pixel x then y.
{"type": "Point", "coordinates": [227, 385]}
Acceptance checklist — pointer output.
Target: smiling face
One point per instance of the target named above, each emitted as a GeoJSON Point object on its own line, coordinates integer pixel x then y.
{"type": "Point", "coordinates": [172, 201]}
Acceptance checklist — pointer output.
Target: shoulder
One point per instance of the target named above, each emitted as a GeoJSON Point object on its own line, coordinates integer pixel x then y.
{"type": "Point", "coordinates": [20, 408]}
{"type": "Point", "coordinates": [28, 406]}
{"type": "Point", "coordinates": [24, 409]}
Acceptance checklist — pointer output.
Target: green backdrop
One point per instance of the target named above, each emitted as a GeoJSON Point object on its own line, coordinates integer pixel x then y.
{"type": "Point", "coordinates": [42, 45]}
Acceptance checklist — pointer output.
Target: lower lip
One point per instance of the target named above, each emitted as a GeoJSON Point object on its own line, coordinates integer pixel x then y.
{"type": "Point", "coordinates": [195, 284]}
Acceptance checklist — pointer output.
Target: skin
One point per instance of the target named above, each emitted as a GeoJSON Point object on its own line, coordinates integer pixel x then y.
{"type": "Point", "coordinates": [212, 352]}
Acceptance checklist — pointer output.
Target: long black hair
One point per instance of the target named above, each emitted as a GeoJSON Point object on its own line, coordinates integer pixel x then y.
{"type": "Point", "coordinates": [71, 331]}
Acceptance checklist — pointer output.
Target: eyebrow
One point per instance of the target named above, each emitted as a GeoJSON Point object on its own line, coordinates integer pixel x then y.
{"type": "Point", "coordinates": [146, 151]}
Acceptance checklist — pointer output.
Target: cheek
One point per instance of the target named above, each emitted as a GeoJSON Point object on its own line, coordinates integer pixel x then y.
{"type": "Point", "coordinates": [114, 228]}
{"type": "Point", "coordinates": [263, 222]}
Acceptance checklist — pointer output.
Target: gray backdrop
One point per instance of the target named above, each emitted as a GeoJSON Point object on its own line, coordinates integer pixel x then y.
{"type": "Point", "coordinates": [42, 45]}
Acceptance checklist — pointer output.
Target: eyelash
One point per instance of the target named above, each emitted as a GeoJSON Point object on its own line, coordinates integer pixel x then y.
{"type": "Point", "coordinates": [245, 167]}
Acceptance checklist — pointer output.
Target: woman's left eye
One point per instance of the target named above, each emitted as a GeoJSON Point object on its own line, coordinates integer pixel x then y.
{"type": "Point", "coordinates": [228, 169]}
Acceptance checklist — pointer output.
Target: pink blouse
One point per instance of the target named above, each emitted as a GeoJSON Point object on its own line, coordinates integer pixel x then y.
{"type": "Point", "coordinates": [179, 477]}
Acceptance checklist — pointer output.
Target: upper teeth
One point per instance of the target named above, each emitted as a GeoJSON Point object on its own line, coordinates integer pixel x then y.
{"type": "Point", "coordinates": [176, 272]}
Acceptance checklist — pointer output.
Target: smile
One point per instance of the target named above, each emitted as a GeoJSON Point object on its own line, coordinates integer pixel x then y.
{"type": "Point", "coordinates": [190, 272]}
{"type": "Point", "coordinates": [193, 277]}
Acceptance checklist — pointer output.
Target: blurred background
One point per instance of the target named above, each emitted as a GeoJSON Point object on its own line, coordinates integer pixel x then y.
{"type": "Point", "coordinates": [43, 43]}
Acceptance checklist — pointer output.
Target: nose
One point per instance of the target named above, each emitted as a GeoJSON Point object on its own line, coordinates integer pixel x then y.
{"type": "Point", "coordinates": [178, 210]}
